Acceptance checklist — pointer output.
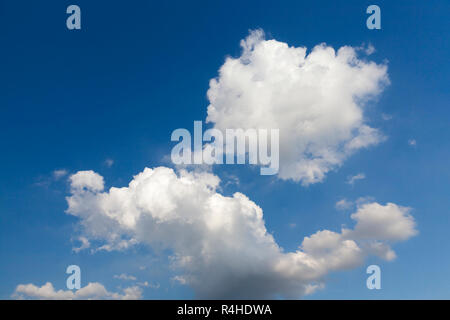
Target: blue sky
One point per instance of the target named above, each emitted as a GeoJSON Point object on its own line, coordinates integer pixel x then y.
{"type": "Point", "coordinates": [117, 88]}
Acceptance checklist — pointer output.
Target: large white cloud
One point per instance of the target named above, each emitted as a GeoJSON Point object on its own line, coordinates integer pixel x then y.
{"type": "Point", "coordinates": [389, 222]}
{"type": "Point", "coordinates": [92, 291]}
{"type": "Point", "coordinates": [220, 244]}
{"type": "Point", "coordinates": [315, 99]}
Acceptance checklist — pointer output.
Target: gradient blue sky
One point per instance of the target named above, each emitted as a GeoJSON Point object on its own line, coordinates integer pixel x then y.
{"type": "Point", "coordinates": [138, 70]}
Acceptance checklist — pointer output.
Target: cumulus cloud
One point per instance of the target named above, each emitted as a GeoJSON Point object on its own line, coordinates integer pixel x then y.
{"type": "Point", "coordinates": [390, 222]}
{"type": "Point", "coordinates": [92, 291]}
{"type": "Point", "coordinates": [88, 180]}
{"type": "Point", "coordinates": [316, 100]}
{"type": "Point", "coordinates": [220, 245]}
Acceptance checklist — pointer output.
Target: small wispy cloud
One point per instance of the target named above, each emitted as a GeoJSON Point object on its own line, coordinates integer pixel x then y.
{"type": "Point", "coordinates": [47, 179]}
{"type": "Point", "coordinates": [125, 277]}
{"type": "Point", "coordinates": [84, 244]}
{"type": "Point", "coordinates": [363, 200]}
{"type": "Point", "coordinates": [386, 116]}
{"type": "Point", "coordinates": [367, 49]}
{"type": "Point", "coordinates": [232, 180]}
{"type": "Point", "coordinates": [370, 49]}
{"type": "Point", "coordinates": [352, 179]}
{"type": "Point", "coordinates": [179, 279]}
{"type": "Point", "coordinates": [109, 162]}
{"type": "Point", "coordinates": [412, 142]}
{"type": "Point", "coordinates": [149, 285]}
{"type": "Point", "coordinates": [343, 204]}
{"type": "Point", "coordinates": [58, 174]}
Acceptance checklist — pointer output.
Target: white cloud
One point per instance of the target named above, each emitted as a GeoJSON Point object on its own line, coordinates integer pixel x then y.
{"type": "Point", "coordinates": [363, 200]}
{"type": "Point", "coordinates": [58, 174]}
{"type": "Point", "coordinates": [367, 49]}
{"type": "Point", "coordinates": [370, 49]}
{"type": "Point", "coordinates": [92, 291]}
{"type": "Point", "coordinates": [124, 276]}
{"type": "Point", "coordinates": [316, 100]}
{"type": "Point", "coordinates": [86, 180]}
{"type": "Point", "coordinates": [84, 244]}
{"type": "Point", "coordinates": [412, 142]}
{"type": "Point", "coordinates": [352, 179]}
{"type": "Point", "coordinates": [221, 247]}
{"type": "Point", "coordinates": [343, 204]}
{"type": "Point", "coordinates": [390, 222]}
{"type": "Point", "coordinates": [180, 279]}
{"type": "Point", "coordinates": [150, 285]}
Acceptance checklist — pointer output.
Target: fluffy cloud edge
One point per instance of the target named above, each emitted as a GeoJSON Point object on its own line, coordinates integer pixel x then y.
{"type": "Point", "coordinates": [316, 99]}
{"type": "Point", "coordinates": [92, 291]}
{"type": "Point", "coordinates": [205, 230]}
